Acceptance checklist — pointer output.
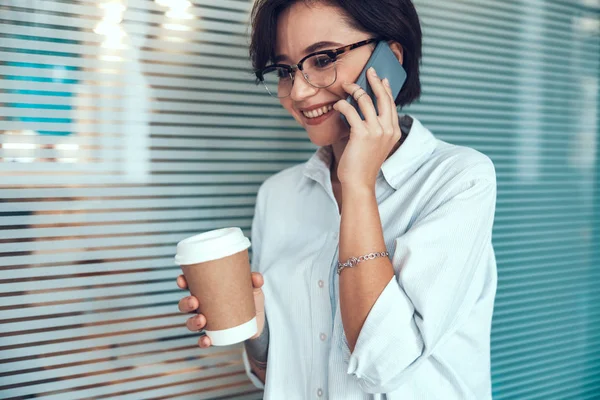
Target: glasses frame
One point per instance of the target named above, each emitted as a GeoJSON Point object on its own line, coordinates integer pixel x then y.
{"type": "Point", "coordinates": [332, 54]}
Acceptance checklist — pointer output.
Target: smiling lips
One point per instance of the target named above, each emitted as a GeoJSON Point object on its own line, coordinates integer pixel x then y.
{"type": "Point", "coordinates": [318, 112]}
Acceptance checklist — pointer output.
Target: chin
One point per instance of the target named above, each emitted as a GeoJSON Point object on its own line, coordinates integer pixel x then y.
{"type": "Point", "coordinates": [321, 137]}
{"type": "Point", "coordinates": [327, 131]}
{"type": "Point", "coordinates": [325, 134]}
{"type": "Point", "coordinates": [320, 141]}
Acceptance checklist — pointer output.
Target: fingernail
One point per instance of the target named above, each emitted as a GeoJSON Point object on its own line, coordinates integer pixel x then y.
{"type": "Point", "coordinates": [372, 70]}
{"type": "Point", "coordinates": [386, 82]}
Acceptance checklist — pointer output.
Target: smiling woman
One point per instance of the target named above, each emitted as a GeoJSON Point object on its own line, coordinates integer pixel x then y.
{"type": "Point", "coordinates": [408, 261]}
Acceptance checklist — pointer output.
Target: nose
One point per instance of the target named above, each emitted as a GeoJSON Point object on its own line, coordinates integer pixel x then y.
{"type": "Point", "coordinates": [301, 89]}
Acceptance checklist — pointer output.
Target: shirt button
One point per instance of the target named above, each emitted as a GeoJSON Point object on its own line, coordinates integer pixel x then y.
{"type": "Point", "coordinates": [335, 235]}
{"type": "Point", "coordinates": [321, 284]}
{"type": "Point", "coordinates": [320, 392]}
{"type": "Point", "coordinates": [323, 336]}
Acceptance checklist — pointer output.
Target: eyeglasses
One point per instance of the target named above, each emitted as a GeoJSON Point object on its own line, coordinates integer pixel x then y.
{"type": "Point", "coordinates": [318, 69]}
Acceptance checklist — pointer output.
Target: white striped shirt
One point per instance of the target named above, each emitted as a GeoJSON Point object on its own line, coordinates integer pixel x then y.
{"type": "Point", "coordinates": [428, 334]}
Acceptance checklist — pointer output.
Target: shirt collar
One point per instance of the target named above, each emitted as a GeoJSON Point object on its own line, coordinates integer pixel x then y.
{"type": "Point", "coordinates": [317, 166]}
{"type": "Point", "coordinates": [417, 147]}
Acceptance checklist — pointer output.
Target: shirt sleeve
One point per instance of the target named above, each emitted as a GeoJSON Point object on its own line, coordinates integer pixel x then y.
{"type": "Point", "coordinates": [256, 236]}
{"type": "Point", "coordinates": [434, 289]}
{"type": "Point", "coordinates": [251, 375]}
{"type": "Point", "coordinates": [256, 233]}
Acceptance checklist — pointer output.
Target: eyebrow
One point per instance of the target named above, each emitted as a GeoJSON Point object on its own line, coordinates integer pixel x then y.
{"type": "Point", "coordinates": [310, 49]}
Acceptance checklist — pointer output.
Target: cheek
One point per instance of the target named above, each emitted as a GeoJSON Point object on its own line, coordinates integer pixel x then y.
{"type": "Point", "coordinates": [337, 88]}
{"type": "Point", "coordinates": [347, 73]}
{"type": "Point", "coordinates": [287, 104]}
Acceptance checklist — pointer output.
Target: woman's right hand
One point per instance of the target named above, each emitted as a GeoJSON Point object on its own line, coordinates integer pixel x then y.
{"type": "Point", "coordinates": [198, 322]}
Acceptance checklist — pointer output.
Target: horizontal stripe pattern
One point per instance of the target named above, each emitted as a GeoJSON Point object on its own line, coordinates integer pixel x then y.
{"type": "Point", "coordinates": [88, 296]}
{"type": "Point", "coordinates": [136, 149]}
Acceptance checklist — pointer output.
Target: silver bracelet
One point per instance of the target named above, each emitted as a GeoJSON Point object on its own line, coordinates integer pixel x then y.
{"type": "Point", "coordinates": [352, 261]}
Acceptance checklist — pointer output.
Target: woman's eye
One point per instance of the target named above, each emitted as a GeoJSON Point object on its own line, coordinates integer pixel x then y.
{"type": "Point", "coordinates": [322, 62]}
{"type": "Point", "coordinates": [283, 74]}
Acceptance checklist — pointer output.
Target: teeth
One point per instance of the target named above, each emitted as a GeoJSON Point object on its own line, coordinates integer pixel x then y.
{"type": "Point", "coordinates": [318, 112]}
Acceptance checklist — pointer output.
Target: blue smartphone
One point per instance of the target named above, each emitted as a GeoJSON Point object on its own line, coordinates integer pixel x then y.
{"type": "Point", "coordinates": [386, 65]}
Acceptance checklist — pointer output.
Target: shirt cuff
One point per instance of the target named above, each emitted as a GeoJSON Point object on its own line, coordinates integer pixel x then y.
{"type": "Point", "coordinates": [389, 340]}
{"type": "Point", "coordinates": [253, 378]}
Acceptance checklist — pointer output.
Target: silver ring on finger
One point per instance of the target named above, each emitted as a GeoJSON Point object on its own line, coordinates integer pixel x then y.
{"type": "Point", "coordinates": [353, 93]}
{"type": "Point", "coordinates": [360, 95]}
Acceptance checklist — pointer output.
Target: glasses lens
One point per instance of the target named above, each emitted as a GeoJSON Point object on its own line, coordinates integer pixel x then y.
{"type": "Point", "coordinates": [320, 70]}
{"type": "Point", "coordinates": [278, 81]}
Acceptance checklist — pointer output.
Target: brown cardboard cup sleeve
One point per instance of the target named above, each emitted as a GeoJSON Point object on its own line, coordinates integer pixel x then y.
{"type": "Point", "coordinates": [217, 269]}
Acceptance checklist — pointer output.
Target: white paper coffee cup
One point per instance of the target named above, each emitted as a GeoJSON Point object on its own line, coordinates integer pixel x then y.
{"type": "Point", "coordinates": [217, 269]}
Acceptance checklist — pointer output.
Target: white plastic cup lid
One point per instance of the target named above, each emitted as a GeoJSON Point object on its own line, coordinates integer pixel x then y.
{"type": "Point", "coordinates": [210, 246]}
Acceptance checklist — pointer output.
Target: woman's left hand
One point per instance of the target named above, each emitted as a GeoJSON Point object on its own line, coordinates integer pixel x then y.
{"type": "Point", "coordinates": [371, 140]}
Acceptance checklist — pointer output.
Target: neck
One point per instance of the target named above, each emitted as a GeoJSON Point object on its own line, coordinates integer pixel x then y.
{"type": "Point", "coordinates": [334, 164]}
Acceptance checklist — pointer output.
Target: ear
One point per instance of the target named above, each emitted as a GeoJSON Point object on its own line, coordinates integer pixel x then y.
{"type": "Point", "coordinates": [398, 50]}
